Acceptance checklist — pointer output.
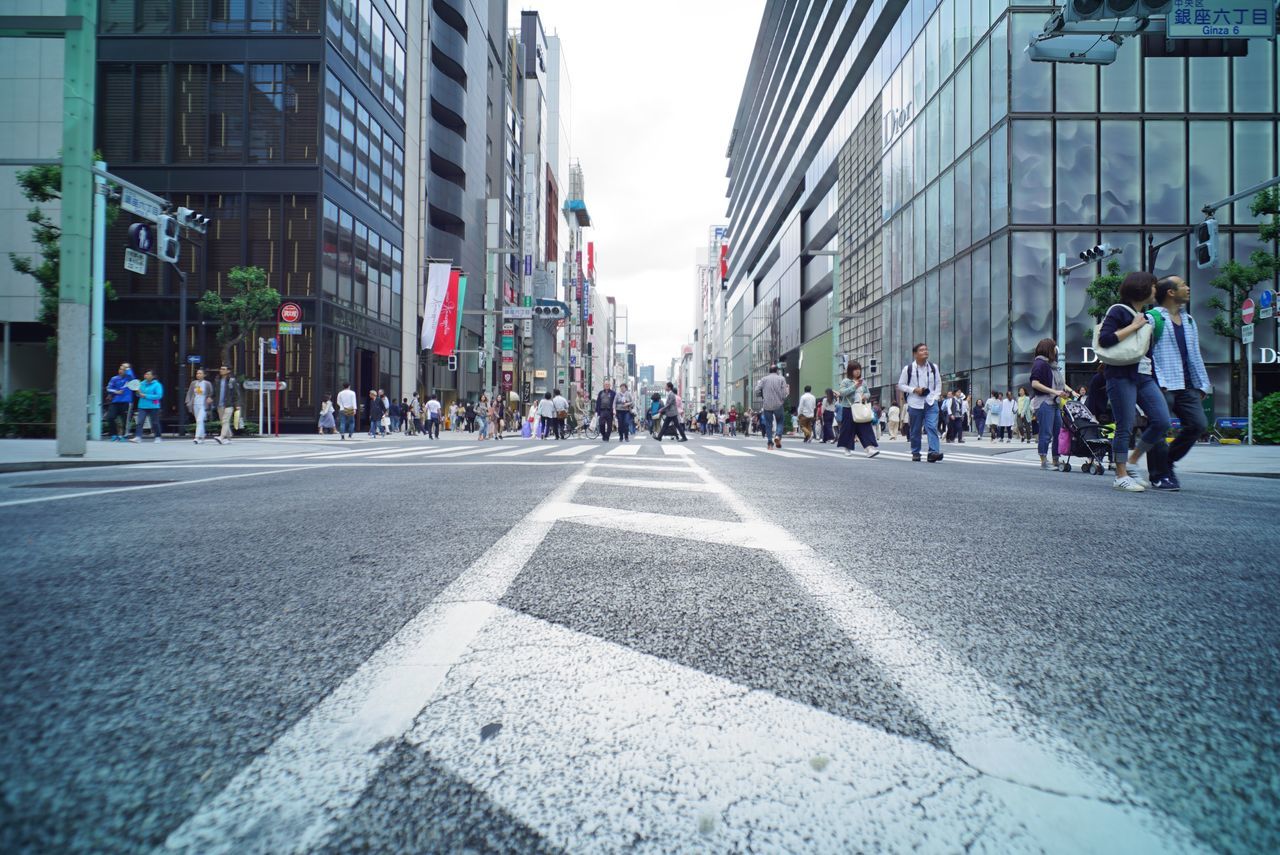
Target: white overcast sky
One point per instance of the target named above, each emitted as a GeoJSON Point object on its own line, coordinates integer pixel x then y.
{"type": "Point", "coordinates": [655, 91]}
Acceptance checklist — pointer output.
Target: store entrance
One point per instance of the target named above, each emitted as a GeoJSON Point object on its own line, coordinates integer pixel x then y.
{"type": "Point", "coordinates": [366, 372]}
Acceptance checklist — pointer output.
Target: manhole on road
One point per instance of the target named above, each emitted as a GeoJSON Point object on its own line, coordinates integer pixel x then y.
{"type": "Point", "coordinates": [91, 484]}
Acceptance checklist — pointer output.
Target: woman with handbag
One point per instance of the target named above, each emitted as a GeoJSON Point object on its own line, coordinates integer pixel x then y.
{"type": "Point", "coordinates": [1123, 342]}
{"type": "Point", "coordinates": [856, 413]}
{"type": "Point", "coordinates": [326, 424]}
{"type": "Point", "coordinates": [1048, 383]}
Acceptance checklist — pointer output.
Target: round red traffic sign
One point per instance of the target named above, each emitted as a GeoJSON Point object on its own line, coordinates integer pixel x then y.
{"type": "Point", "coordinates": [1246, 310]}
{"type": "Point", "coordinates": [290, 313]}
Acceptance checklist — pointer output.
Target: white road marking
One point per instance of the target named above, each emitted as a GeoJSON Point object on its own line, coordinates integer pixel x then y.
{"type": "Point", "coordinates": [650, 464]}
{"type": "Point", "coordinates": [291, 797]}
{"type": "Point", "coordinates": [648, 755]}
{"type": "Point", "coordinates": [571, 451]}
{"type": "Point", "coordinates": [674, 450]}
{"type": "Point", "coordinates": [624, 451]}
{"type": "Point", "coordinates": [461, 452]}
{"type": "Point", "coordinates": [519, 451]}
{"type": "Point", "coordinates": [416, 452]}
{"type": "Point", "coordinates": [109, 490]}
{"type": "Point", "coordinates": [755, 536]}
{"type": "Point", "coordinates": [729, 452]}
{"type": "Point", "coordinates": [655, 483]}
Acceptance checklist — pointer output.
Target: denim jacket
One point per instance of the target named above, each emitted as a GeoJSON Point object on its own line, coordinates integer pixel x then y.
{"type": "Point", "coordinates": [1168, 360]}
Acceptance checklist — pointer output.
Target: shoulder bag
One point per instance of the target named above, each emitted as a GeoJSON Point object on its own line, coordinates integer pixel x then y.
{"type": "Point", "coordinates": [1127, 351]}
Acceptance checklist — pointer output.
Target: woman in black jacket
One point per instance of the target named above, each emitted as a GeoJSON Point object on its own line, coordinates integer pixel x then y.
{"type": "Point", "coordinates": [375, 410]}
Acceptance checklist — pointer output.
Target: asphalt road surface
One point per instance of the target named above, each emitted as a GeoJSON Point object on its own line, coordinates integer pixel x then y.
{"type": "Point", "coordinates": [541, 646]}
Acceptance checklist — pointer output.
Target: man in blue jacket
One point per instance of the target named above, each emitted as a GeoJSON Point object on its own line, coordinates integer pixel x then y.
{"type": "Point", "coordinates": [119, 402]}
{"type": "Point", "coordinates": [149, 395]}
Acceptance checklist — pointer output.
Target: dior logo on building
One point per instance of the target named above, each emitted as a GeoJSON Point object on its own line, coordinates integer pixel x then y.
{"type": "Point", "coordinates": [1087, 356]}
{"type": "Point", "coordinates": [896, 121]}
{"type": "Point", "coordinates": [1268, 356]}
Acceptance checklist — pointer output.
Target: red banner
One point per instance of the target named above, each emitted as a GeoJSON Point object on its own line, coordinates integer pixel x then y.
{"type": "Point", "coordinates": [447, 326]}
{"type": "Point", "coordinates": [724, 263]}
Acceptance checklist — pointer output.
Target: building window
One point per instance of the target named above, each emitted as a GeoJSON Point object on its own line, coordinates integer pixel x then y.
{"type": "Point", "coordinates": [226, 113]}
{"type": "Point", "coordinates": [266, 113]}
{"type": "Point", "coordinates": [329, 251]}
{"type": "Point", "coordinates": [301, 107]}
{"type": "Point", "coordinates": [299, 245]}
{"type": "Point", "coordinates": [191, 144]}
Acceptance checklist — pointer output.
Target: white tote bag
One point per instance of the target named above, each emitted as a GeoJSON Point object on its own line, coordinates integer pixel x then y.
{"type": "Point", "coordinates": [1128, 351]}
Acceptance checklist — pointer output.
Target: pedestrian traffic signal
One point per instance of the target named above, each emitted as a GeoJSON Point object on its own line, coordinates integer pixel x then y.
{"type": "Point", "coordinates": [167, 245]}
{"type": "Point", "coordinates": [453, 362]}
{"type": "Point", "coordinates": [1096, 10]}
{"type": "Point", "coordinates": [1207, 244]}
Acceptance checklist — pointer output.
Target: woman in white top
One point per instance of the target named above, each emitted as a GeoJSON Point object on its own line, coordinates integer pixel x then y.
{"type": "Point", "coordinates": [326, 415]}
{"type": "Point", "coordinates": [1008, 416]}
{"type": "Point", "coordinates": [199, 397]}
{"type": "Point", "coordinates": [546, 415]}
{"type": "Point", "coordinates": [895, 420]}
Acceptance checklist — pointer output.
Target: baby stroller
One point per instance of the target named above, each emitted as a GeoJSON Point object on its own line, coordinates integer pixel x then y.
{"type": "Point", "coordinates": [1086, 439]}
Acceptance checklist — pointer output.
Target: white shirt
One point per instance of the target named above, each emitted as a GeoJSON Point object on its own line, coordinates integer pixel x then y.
{"type": "Point", "coordinates": [926, 376]}
{"type": "Point", "coordinates": [547, 408]}
{"type": "Point", "coordinates": [560, 404]}
{"type": "Point", "coordinates": [808, 404]}
{"type": "Point", "coordinates": [433, 408]}
{"type": "Point", "coordinates": [347, 399]}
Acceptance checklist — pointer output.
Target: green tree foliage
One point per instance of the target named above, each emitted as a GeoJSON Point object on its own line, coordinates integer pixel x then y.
{"type": "Point", "coordinates": [26, 413]}
{"type": "Point", "coordinates": [41, 185]}
{"type": "Point", "coordinates": [251, 303]}
{"type": "Point", "coordinates": [1266, 420]}
{"type": "Point", "coordinates": [1104, 290]}
{"type": "Point", "coordinates": [1237, 280]}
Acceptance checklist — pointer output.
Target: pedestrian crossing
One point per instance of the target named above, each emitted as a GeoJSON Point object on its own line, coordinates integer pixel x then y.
{"type": "Point", "coordinates": [517, 452]}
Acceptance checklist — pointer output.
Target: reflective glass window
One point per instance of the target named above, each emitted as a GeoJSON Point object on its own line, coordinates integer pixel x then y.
{"type": "Point", "coordinates": [266, 112]}
{"type": "Point", "coordinates": [980, 190]}
{"type": "Point", "coordinates": [931, 226]}
{"type": "Point", "coordinates": [299, 244]}
{"type": "Point", "coordinates": [918, 229]}
{"type": "Point", "coordinates": [348, 151]}
{"type": "Point", "coordinates": [1208, 83]}
{"type": "Point", "coordinates": [1121, 171]}
{"type": "Point", "coordinates": [1252, 77]}
{"type": "Point", "coordinates": [346, 257]}
{"type": "Point", "coordinates": [1120, 82]}
{"type": "Point", "coordinates": [999, 71]}
{"type": "Point", "coordinates": [946, 341]}
{"type": "Point", "coordinates": [1254, 151]}
{"type": "Point", "coordinates": [946, 215]}
{"type": "Point", "coordinates": [919, 327]}
{"type": "Point", "coordinates": [919, 94]}
{"type": "Point", "coordinates": [963, 314]}
{"type": "Point", "coordinates": [933, 144]}
{"type": "Point", "coordinates": [267, 16]}
{"type": "Point", "coordinates": [226, 113]}
{"type": "Point", "coordinates": [1032, 159]}
{"type": "Point", "coordinates": [329, 250]}
{"type": "Point", "coordinates": [1165, 83]}
{"type": "Point", "coordinates": [999, 300]}
{"type": "Point", "coordinates": [930, 311]}
{"type": "Point", "coordinates": [946, 39]}
{"type": "Point", "coordinates": [980, 76]}
{"type": "Point", "coordinates": [193, 113]}
{"type": "Point", "coordinates": [1031, 306]}
{"type": "Point", "coordinates": [907, 225]}
{"type": "Point", "coordinates": [1209, 163]}
{"type": "Point", "coordinates": [361, 265]}
{"type": "Point", "coordinates": [1032, 81]}
{"type": "Point", "coordinates": [301, 106]}
{"type": "Point", "coordinates": [999, 178]}
{"type": "Point", "coordinates": [1166, 172]}
{"type": "Point", "coordinates": [1077, 172]}
{"type": "Point", "coordinates": [931, 56]}
{"type": "Point", "coordinates": [963, 111]}
{"type": "Point", "coordinates": [963, 193]}
{"type": "Point", "coordinates": [946, 126]}
{"type": "Point", "coordinates": [1079, 325]}
{"type": "Point", "coordinates": [964, 30]}
{"type": "Point", "coordinates": [332, 121]}
{"type": "Point", "coordinates": [981, 306]}
{"type": "Point", "coordinates": [376, 28]}
{"type": "Point", "coordinates": [265, 248]}
{"type": "Point", "coordinates": [1077, 88]}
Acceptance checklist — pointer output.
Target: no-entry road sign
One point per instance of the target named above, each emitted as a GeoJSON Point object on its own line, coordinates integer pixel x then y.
{"type": "Point", "coordinates": [1246, 311]}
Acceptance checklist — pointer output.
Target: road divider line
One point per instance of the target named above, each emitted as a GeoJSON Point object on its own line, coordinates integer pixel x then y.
{"type": "Point", "coordinates": [293, 796]}
{"type": "Point", "coordinates": [109, 490]}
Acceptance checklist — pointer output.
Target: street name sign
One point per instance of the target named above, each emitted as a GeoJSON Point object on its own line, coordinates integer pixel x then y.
{"type": "Point", "coordinates": [1246, 334]}
{"type": "Point", "coordinates": [135, 261]}
{"type": "Point", "coordinates": [517, 312]}
{"type": "Point", "coordinates": [139, 205]}
{"type": "Point", "coordinates": [1198, 19]}
{"type": "Point", "coordinates": [266, 385]}
{"type": "Point", "coordinates": [290, 329]}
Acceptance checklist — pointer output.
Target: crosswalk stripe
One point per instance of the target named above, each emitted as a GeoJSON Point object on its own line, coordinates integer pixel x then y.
{"type": "Point", "coordinates": [675, 450]}
{"type": "Point", "coordinates": [624, 451]}
{"type": "Point", "coordinates": [759, 536]}
{"type": "Point", "coordinates": [652, 483]}
{"type": "Point", "coordinates": [451, 453]}
{"type": "Point", "coordinates": [728, 452]}
{"type": "Point", "coordinates": [777, 452]}
{"type": "Point", "coordinates": [518, 452]}
{"type": "Point", "coordinates": [571, 451]}
{"type": "Point", "coordinates": [413, 452]}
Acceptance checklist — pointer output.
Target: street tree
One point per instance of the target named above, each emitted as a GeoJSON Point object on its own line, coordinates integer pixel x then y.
{"type": "Point", "coordinates": [1237, 280]}
{"type": "Point", "coordinates": [250, 303]}
{"type": "Point", "coordinates": [41, 185]}
{"type": "Point", "coordinates": [1104, 291]}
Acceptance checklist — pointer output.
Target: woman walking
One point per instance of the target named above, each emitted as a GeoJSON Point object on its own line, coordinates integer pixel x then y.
{"type": "Point", "coordinates": [1008, 417]}
{"type": "Point", "coordinates": [326, 415]}
{"type": "Point", "coordinates": [482, 417]}
{"type": "Point", "coordinates": [1023, 409]}
{"type": "Point", "coordinates": [199, 397]}
{"type": "Point", "coordinates": [979, 416]}
{"type": "Point", "coordinates": [829, 405]}
{"type": "Point", "coordinates": [856, 415]}
{"type": "Point", "coordinates": [1133, 384]}
{"type": "Point", "coordinates": [1049, 385]}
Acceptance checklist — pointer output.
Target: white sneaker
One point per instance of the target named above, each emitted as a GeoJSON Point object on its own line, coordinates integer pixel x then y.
{"type": "Point", "coordinates": [134, 439]}
{"type": "Point", "coordinates": [848, 452]}
{"type": "Point", "coordinates": [872, 452]}
{"type": "Point", "coordinates": [157, 439]}
{"type": "Point", "coordinates": [197, 441]}
{"type": "Point", "coordinates": [1139, 477]}
{"type": "Point", "coordinates": [1128, 485]}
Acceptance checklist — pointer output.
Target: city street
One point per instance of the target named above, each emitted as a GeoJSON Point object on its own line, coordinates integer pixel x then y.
{"type": "Point", "coordinates": [395, 645]}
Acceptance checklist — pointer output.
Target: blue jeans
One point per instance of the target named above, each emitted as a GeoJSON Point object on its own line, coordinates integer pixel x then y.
{"type": "Point", "coordinates": [346, 424]}
{"type": "Point", "coordinates": [925, 419]}
{"type": "Point", "coordinates": [1049, 418]}
{"type": "Point", "coordinates": [1124, 394]}
{"type": "Point", "coordinates": [769, 419]}
{"type": "Point", "coordinates": [154, 416]}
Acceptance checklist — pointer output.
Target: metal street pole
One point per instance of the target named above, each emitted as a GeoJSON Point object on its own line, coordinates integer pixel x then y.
{"type": "Point", "coordinates": [262, 344]}
{"type": "Point", "coordinates": [97, 301]}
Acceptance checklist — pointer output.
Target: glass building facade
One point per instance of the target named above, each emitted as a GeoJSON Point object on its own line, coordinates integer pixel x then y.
{"type": "Point", "coordinates": [949, 172]}
{"type": "Point", "coordinates": [284, 122]}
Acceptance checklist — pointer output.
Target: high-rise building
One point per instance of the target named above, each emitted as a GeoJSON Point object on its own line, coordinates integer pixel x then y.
{"type": "Point", "coordinates": [918, 141]}
{"type": "Point", "coordinates": [295, 128]}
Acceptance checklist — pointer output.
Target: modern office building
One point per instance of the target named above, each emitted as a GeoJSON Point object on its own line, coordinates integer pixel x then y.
{"type": "Point", "coordinates": [295, 128]}
{"type": "Point", "coordinates": [949, 171]}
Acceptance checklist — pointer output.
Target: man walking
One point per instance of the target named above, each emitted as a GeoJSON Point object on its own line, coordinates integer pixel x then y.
{"type": "Point", "coordinates": [957, 417]}
{"type": "Point", "coordinates": [121, 402]}
{"type": "Point", "coordinates": [347, 404]}
{"type": "Point", "coordinates": [921, 382]}
{"type": "Point", "coordinates": [773, 391]}
{"type": "Point", "coordinates": [226, 397]}
{"type": "Point", "coordinates": [625, 406]}
{"type": "Point", "coordinates": [671, 416]}
{"type": "Point", "coordinates": [604, 410]}
{"type": "Point", "coordinates": [433, 410]}
{"type": "Point", "coordinates": [1180, 371]}
{"type": "Point", "coordinates": [560, 405]}
{"type": "Point", "coordinates": [805, 411]}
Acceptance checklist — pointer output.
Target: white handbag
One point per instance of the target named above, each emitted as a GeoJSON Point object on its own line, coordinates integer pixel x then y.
{"type": "Point", "coordinates": [1127, 351]}
{"type": "Point", "coordinates": [862, 413]}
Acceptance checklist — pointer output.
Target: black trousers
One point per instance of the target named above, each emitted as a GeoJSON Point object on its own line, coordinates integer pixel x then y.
{"type": "Point", "coordinates": [606, 424]}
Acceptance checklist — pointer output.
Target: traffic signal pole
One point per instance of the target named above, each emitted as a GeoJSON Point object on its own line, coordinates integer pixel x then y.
{"type": "Point", "coordinates": [98, 301]}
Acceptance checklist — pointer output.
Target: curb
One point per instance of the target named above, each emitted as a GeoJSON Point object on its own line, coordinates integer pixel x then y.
{"type": "Point", "coordinates": [44, 465]}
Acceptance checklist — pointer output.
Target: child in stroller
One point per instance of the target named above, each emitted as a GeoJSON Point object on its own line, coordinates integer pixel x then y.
{"type": "Point", "coordinates": [1086, 438]}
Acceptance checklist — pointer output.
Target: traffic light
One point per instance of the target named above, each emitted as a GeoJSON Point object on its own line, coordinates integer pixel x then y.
{"type": "Point", "coordinates": [873, 366]}
{"type": "Point", "coordinates": [1096, 10]}
{"type": "Point", "coordinates": [167, 245]}
{"type": "Point", "coordinates": [1207, 244]}
{"type": "Point", "coordinates": [453, 362]}
{"type": "Point", "coordinates": [1098, 253]}
{"type": "Point", "coordinates": [190, 219]}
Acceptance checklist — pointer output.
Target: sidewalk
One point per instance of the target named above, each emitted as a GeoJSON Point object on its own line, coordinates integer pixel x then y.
{"type": "Point", "coordinates": [1205, 459]}
{"type": "Point", "coordinates": [29, 455]}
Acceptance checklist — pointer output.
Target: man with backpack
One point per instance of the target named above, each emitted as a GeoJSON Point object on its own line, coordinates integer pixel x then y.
{"type": "Point", "coordinates": [921, 382]}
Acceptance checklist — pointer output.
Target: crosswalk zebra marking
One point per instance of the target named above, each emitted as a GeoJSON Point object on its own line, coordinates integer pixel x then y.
{"type": "Point", "coordinates": [571, 451]}
{"type": "Point", "coordinates": [729, 452]}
